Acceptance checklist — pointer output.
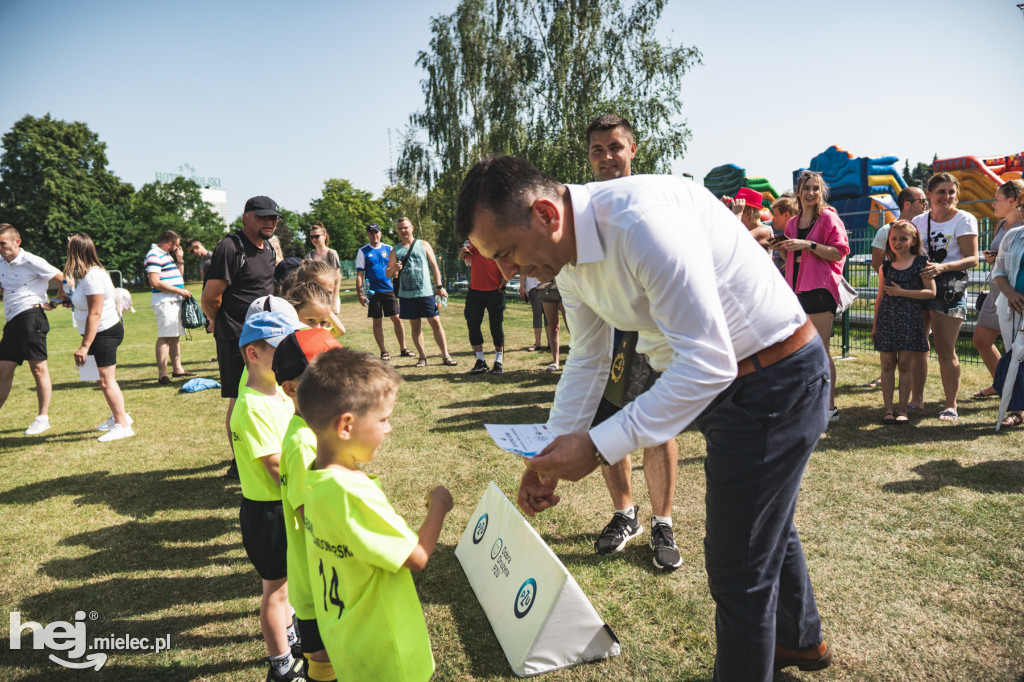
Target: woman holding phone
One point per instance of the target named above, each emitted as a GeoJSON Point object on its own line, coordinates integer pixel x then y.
{"type": "Point", "coordinates": [95, 312]}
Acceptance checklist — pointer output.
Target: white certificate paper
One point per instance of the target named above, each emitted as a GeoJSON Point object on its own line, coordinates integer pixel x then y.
{"type": "Point", "coordinates": [522, 439]}
{"type": "Point", "coordinates": [89, 371]}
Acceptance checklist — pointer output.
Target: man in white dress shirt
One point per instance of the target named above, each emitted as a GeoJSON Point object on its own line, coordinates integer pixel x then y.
{"type": "Point", "coordinates": [661, 256]}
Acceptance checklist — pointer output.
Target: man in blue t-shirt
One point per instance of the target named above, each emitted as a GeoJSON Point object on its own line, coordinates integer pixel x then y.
{"type": "Point", "coordinates": [372, 259]}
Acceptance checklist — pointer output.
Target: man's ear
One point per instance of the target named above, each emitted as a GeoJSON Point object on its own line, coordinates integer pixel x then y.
{"type": "Point", "coordinates": [343, 425]}
{"type": "Point", "coordinates": [547, 210]}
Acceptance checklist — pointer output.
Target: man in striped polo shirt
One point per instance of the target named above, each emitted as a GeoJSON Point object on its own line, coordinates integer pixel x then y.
{"type": "Point", "coordinates": [164, 267]}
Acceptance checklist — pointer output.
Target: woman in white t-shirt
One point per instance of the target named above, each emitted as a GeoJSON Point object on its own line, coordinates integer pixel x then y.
{"type": "Point", "coordinates": [951, 241]}
{"type": "Point", "coordinates": [95, 312]}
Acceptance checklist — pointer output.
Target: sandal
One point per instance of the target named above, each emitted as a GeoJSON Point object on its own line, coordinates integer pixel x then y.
{"type": "Point", "coordinates": [533, 348]}
{"type": "Point", "coordinates": [902, 420]}
{"type": "Point", "coordinates": [422, 362]}
{"type": "Point", "coordinates": [986, 393]}
{"type": "Point", "coordinates": [889, 418]}
{"type": "Point", "coordinates": [948, 415]}
{"type": "Point", "coordinates": [406, 353]}
{"type": "Point", "coordinates": [874, 383]}
{"type": "Point", "coordinates": [450, 361]}
{"type": "Point", "coordinates": [385, 356]}
{"type": "Point", "coordinates": [551, 368]}
{"type": "Point", "coordinates": [1011, 420]}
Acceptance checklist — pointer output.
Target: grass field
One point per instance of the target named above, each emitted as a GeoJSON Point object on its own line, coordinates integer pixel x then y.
{"type": "Point", "coordinates": [912, 535]}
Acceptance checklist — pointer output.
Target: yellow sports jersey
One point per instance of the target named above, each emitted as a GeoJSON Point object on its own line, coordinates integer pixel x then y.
{"type": "Point", "coordinates": [298, 451]}
{"type": "Point", "coordinates": [367, 610]}
{"type": "Point", "coordinates": [258, 423]}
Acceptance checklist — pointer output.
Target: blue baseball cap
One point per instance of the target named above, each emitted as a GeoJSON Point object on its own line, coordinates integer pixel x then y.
{"type": "Point", "coordinates": [270, 327]}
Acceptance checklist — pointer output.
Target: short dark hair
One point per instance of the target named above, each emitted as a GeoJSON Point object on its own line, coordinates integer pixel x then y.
{"type": "Point", "coordinates": [499, 184]}
{"type": "Point", "coordinates": [341, 380]}
{"type": "Point", "coordinates": [192, 242]}
{"type": "Point", "coordinates": [607, 122]}
{"type": "Point", "coordinates": [168, 237]}
{"type": "Point", "coordinates": [906, 196]}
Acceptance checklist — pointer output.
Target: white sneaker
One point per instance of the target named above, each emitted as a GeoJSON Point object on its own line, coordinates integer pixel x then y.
{"type": "Point", "coordinates": [39, 424]}
{"type": "Point", "coordinates": [116, 432]}
{"type": "Point", "coordinates": [833, 415]}
{"type": "Point", "coordinates": [109, 424]}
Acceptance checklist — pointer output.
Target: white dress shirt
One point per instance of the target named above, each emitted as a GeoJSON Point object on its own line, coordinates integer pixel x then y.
{"type": "Point", "coordinates": [24, 281]}
{"type": "Point", "coordinates": [662, 256]}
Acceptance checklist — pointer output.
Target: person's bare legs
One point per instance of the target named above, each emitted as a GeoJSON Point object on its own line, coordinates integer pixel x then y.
{"type": "Point", "coordinates": [905, 360]}
{"type": "Point", "coordinates": [660, 464]}
{"type": "Point", "coordinates": [275, 615]}
{"type": "Point", "coordinates": [888, 365]}
{"type": "Point", "coordinates": [6, 379]}
{"type": "Point", "coordinates": [551, 318]}
{"type": "Point", "coordinates": [174, 349]}
{"type": "Point", "coordinates": [163, 352]}
{"type": "Point", "coordinates": [984, 340]}
{"type": "Point", "coordinates": [618, 480]}
{"type": "Point", "coordinates": [416, 328]}
{"type": "Point", "coordinates": [378, 333]}
{"type": "Point", "coordinates": [945, 330]}
{"type": "Point", "coordinates": [112, 394]}
{"type": "Point", "coordinates": [399, 331]}
{"type": "Point", "coordinates": [227, 425]}
{"type": "Point", "coordinates": [41, 374]}
{"type": "Point", "coordinates": [439, 338]}
{"type": "Point", "coordinates": [823, 323]}
{"type": "Point", "coordinates": [919, 367]}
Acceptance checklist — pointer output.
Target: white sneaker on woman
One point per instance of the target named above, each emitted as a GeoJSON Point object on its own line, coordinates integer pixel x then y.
{"type": "Point", "coordinates": [39, 424]}
{"type": "Point", "coordinates": [116, 432]}
{"type": "Point", "coordinates": [109, 424]}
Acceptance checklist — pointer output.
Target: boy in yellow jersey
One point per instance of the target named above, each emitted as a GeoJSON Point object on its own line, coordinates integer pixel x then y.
{"type": "Point", "coordinates": [360, 551]}
{"type": "Point", "coordinates": [298, 451]}
{"type": "Point", "coordinates": [258, 423]}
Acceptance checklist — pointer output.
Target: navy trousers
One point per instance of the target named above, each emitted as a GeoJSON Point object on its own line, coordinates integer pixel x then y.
{"type": "Point", "coordinates": [760, 433]}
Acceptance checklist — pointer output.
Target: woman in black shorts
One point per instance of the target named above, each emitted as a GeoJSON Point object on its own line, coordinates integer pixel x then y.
{"type": "Point", "coordinates": [816, 247]}
{"type": "Point", "coordinates": [95, 311]}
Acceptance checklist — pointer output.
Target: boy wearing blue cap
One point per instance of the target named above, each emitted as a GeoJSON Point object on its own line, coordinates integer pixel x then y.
{"type": "Point", "coordinates": [258, 422]}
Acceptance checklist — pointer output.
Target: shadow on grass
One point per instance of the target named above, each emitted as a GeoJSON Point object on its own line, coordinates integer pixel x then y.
{"type": "Point", "coordinates": [44, 670]}
{"type": "Point", "coordinates": [444, 583]}
{"type": "Point", "coordinates": [922, 429]}
{"type": "Point", "coordinates": [149, 546]}
{"type": "Point", "coordinates": [138, 494]}
{"type": "Point", "coordinates": [1002, 476]}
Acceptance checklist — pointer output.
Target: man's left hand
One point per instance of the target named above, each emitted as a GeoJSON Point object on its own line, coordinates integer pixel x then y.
{"type": "Point", "coordinates": [569, 457]}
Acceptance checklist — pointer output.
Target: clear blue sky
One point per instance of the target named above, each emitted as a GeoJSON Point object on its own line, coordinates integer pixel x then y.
{"type": "Point", "coordinates": [274, 98]}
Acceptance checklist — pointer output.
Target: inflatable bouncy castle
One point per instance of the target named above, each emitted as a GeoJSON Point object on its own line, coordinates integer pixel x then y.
{"type": "Point", "coordinates": [979, 179]}
{"type": "Point", "coordinates": [862, 189]}
{"type": "Point", "coordinates": [726, 180]}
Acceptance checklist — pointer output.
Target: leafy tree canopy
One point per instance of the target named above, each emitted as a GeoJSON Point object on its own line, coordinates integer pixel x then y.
{"type": "Point", "coordinates": [526, 77]}
{"type": "Point", "coordinates": [345, 212]}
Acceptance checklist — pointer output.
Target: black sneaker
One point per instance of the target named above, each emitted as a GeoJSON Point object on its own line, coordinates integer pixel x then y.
{"type": "Point", "coordinates": [297, 671]}
{"type": "Point", "coordinates": [666, 554]}
{"type": "Point", "coordinates": [479, 368]}
{"type": "Point", "coordinates": [497, 368]}
{"type": "Point", "coordinates": [620, 530]}
{"type": "Point", "coordinates": [232, 472]}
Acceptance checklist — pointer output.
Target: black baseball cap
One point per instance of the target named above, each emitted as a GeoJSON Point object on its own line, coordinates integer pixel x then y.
{"type": "Point", "coordinates": [261, 206]}
{"type": "Point", "coordinates": [373, 226]}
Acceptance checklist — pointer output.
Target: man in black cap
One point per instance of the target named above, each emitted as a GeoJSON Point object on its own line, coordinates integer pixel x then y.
{"type": "Point", "coordinates": [242, 270]}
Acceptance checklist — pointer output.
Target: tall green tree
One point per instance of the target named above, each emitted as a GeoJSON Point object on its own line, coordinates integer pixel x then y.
{"type": "Point", "coordinates": [918, 177]}
{"type": "Point", "coordinates": [345, 212]}
{"type": "Point", "coordinates": [526, 77]}
{"type": "Point", "coordinates": [54, 181]}
{"type": "Point", "coordinates": [402, 201]}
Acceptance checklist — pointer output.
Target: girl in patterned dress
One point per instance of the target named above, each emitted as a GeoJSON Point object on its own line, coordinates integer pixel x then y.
{"type": "Point", "coordinates": [898, 330]}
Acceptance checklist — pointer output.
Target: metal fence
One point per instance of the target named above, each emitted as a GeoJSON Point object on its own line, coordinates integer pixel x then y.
{"type": "Point", "coordinates": [852, 331]}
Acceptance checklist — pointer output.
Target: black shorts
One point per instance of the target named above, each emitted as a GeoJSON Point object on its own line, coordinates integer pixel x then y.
{"type": "Point", "coordinates": [263, 537]}
{"type": "Point", "coordinates": [310, 635]}
{"type": "Point", "coordinates": [817, 301]}
{"type": "Point", "coordinates": [229, 359]}
{"type": "Point", "coordinates": [417, 308]}
{"type": "Point", "coordinates": [383, 304]}
{"type": "Point", "coordinates": [104, 346]}
{"type": "Point", "coordinates": [25, 337]}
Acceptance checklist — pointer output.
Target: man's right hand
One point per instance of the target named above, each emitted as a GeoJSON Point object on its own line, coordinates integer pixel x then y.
{"type": "Point", "coordinates": [185, 293]}
{"type": "Point", "coordinates": [536, 493]}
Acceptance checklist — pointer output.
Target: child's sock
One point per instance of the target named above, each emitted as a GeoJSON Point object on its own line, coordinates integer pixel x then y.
{"type": "Point", "coordinates": [320, 671]}
{"type": "Point", "coordinates": [498, 355]}
{"type": "Point", "coordinates": [628, 512]}
{"type": "Point", "coordinates": [281, 663]}
{"type": "Point", "coordinates": [667, 520]}
{"type": "Point", "coordinates": [293, 634]}
{"type": "Point", "coordinates": [479, 354]}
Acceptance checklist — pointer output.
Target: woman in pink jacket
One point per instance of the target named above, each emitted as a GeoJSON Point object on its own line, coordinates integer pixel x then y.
{"type": "Point", "coordinates": [816, 247]}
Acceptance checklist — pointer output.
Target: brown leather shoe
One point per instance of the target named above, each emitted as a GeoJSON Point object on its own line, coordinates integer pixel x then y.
{"type": "Point", "coordinates": [818, 658]}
